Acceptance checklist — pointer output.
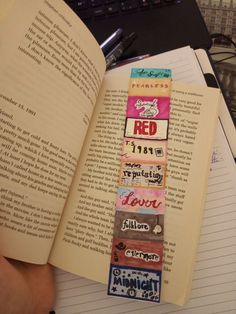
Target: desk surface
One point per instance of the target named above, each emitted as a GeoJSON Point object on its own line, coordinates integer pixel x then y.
{"type": "Point", "coordinates": [220, 17]}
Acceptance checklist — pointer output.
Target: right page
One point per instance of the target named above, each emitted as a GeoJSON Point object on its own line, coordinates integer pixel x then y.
{"type": "Point", "coordinates": [86, 230]}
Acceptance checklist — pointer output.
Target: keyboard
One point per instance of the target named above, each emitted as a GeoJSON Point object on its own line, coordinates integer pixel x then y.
{"type": "Point", "coordinates": [92, 9]}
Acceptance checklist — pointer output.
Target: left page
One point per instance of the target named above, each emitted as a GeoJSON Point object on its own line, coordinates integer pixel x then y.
{"type": "Point", "coordinates": [51, 69]}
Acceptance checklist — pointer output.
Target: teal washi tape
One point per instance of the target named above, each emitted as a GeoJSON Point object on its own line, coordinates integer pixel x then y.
{"type": "Point", "coordinates": [150, 73]}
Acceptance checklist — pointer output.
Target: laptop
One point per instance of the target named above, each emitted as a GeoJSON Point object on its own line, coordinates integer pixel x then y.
{"type": "Point", "coordinates": [160, 25]}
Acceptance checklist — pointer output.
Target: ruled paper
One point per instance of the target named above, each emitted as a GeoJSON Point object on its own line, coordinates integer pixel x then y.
{"type": "Point", "coordinates": [182, 62]}
{"type": "Point", "coordinates": [214, 283]}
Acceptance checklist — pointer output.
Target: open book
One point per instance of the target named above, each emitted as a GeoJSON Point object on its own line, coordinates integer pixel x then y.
{"type": "Point", "coordinates": [61, 132]}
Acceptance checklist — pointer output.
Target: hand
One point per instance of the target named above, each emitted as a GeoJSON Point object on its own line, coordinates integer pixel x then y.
{"type": "Point", "coordinates": [25, 288]}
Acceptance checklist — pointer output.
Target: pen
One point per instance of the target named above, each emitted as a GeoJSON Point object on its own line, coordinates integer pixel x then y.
{"type": "Point", "coordinates": [119, 49]}
{"type": "Point", "coordinates": [111, 40]}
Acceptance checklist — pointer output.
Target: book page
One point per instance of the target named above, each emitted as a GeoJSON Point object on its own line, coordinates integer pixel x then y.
{"type": "Point", "coordinates": [51, 70]}
{"type": "Point", "coordinates": [88, 222]}
{"type": "Point", "coordinates": [214, 281]}
{"type": "Point", "coordinates": [5, 7]}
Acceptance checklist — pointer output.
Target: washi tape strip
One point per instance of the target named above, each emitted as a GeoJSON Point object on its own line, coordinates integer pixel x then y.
{"type": "Point", "coordinates": [146, 129]}
{"type": "Point", "coordinates": [149, 87]}
{"type": "Point", "coordinates": [146, 227]}
{"type": "Point", "coordinates": [140, 174]}
{"type": "Point", "coordinates": [135, 283]}
{"type": "Point", "coordinates": [148, 107]}
{"type": "Point", "coordinates": [142, 150]}
{"type": "Point", "coordinates": [150, 73]}
{"type": "Point", "coordinates": [138, 240]}
{"type": "Point", "coordinates": [137, 253]}
{"type": "Point", "coordinates": [140, 200]}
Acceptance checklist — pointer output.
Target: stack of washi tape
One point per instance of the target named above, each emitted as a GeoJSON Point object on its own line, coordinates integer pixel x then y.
{"type": "Point", "coordinates": [137, 248]}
